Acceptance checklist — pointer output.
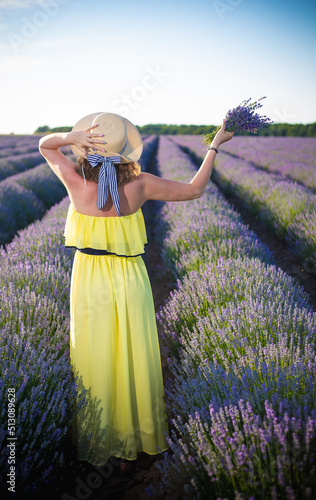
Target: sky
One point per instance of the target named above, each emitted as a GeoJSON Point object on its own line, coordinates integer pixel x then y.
{"type": "Point", "coordinates": [168, 61]}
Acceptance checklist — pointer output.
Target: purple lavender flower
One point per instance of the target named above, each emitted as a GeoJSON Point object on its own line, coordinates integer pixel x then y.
{"type": "Point", "coordinates": [242, 119]}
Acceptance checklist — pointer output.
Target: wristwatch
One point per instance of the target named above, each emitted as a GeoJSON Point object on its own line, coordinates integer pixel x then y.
{"type": "Point", "coordinates": [211, 147]}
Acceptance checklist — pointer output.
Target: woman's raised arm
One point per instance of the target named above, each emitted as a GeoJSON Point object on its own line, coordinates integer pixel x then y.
{"type": "Point", "coordinates": [83, 139]}
{"type": "Point", "coordinates": [64, 168]}
{"type": "Point", "coordinates": [155, 188]}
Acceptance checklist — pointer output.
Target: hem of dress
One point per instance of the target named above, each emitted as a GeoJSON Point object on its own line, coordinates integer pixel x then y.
{"type": "Point", "coordinates": [109, 253]}
{"type": "Point", "coordinates": [125, 458]}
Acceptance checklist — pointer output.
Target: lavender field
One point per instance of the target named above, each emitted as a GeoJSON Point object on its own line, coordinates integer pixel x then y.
{"type": "Point", "coordinates": [285, 205]}
{"type": "Point", "coordinates": [239, 335]}
{"type": "Point", "coordinates": [237, 332]}
{"type": "Point", "coordinates": [292, 157]}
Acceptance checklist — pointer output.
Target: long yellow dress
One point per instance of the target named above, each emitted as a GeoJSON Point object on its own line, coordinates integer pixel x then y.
{"type": "Point", "coordinates": [114, 348]}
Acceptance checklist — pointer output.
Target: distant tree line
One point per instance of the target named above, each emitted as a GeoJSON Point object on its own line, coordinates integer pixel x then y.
{"type": "Point", "coordinates": [275, 129]}
{"type": "Point", "coordinates": [45, 129]}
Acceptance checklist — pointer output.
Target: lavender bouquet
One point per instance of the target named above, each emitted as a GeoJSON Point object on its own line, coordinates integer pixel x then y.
{"type": "Point", "coordinates": [240, 119]}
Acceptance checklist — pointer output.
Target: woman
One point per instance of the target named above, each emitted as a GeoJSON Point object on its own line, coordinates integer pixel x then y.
{"type": "Point", "coordinates": [114, 345]}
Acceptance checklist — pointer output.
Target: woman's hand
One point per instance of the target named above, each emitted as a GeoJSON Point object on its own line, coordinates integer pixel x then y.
{"type": "Point", "coordinates": [222, 135]}
{"type": "Point", "coordinates": [85, 139]}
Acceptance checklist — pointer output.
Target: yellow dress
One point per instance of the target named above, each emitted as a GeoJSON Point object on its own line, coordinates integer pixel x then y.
{"type": "Point", "coordinates": [114, 348]}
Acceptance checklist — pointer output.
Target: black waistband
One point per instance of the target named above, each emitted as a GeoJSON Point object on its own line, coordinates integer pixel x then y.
{"type": "Point", "coordinates": [94, 251]}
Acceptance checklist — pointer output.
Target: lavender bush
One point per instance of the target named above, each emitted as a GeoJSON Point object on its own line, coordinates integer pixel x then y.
{"type": "Point", "coordinates": [45, 392]}
{"type": "Point", "coordinates": [224, 282]}
{"type": "Point", "coordinates": [18, 148]}
{"type": "Point", "coordinates": [285, 206]}
{"type": "Point", "coordinates": [242, 119]}
{"type": "Point", "coordinates": [18, 140]}
{"type": "Point", "coordinates": [37, 246]}
{"type": "Point", "coordinates": [42, 181]}
{"type": "Point", "coordinates": [235, 454]}
{"type": "Point", "coordinates": [18, 208]}
{"type": "Point", "coordinates": [15, 164]}
{"type": "Point", "coordinates": [207, 319]}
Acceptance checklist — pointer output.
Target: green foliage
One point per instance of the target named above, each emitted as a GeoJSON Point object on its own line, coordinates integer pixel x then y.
{"type": "Point", "coordinates": [43, 129]}
{"type": "Point", "coordinates": [275, 129]}
{"type": "Point", "coordinates": [289, 130]}
{"type": "Point", "coordinates": [47, 130]}
{"type": "Point", "coordinates": [163, 129]}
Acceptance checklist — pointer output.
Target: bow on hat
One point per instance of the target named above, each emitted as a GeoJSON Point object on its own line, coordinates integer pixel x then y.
{"type": "Point", "coordinates": [107, 179]}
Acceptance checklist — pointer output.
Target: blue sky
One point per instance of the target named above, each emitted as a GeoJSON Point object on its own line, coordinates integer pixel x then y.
{"type": "Point", "coordinates": [154, 62]}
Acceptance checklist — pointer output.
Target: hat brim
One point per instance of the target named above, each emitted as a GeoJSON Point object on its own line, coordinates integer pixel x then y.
{"type": "Point", "coordinates": [134, 146]}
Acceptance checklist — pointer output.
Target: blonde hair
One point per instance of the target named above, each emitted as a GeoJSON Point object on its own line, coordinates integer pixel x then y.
{"type": "Point", "coordinates": [125, 171]}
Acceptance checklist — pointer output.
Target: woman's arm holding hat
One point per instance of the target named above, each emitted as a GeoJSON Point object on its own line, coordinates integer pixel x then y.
{"type": "Point", "coordinates": [155, 188]}
{"type": "Point", "coordinates": [49, 147]}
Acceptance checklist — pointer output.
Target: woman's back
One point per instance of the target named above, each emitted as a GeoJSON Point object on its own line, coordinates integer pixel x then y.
{"type": "Point", "coordinates": [83, 198]}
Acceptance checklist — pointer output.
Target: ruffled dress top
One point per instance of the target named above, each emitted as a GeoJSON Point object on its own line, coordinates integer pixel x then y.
{"type": "Point", "coordinates": [123, 236]}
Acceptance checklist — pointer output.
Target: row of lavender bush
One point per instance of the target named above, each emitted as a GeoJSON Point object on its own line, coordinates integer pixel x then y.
{"type": "Point", "coordinates": [18, 145]}
{"type": "Point", "coordinates": [15, 143]}
{"type": "Point", "coordinates": [239, 335]}
{"type": "Point", "coordinates": [291, 157]}
{"type": "Point", "coordinates": [287, 207]}
{"type": "Point", "coordinates": [18, 161]}
{"type": "Point", "coordinates": [25, 197]}
{"type": "Point", "coordinates": [34, 348]}
{"type": "Point", "coordinates": [18, 151]}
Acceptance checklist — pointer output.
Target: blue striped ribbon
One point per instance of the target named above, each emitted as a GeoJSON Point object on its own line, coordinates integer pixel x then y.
{"type": "Point", "coordinates": [107, 179]}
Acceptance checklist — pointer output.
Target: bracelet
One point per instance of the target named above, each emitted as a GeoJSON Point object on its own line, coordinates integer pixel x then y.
{"type": "Point", "coordinates": [209, 148]}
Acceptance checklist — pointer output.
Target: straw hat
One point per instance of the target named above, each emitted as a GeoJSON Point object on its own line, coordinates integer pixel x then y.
{"type": "Point", "coordinates": [119, 133]}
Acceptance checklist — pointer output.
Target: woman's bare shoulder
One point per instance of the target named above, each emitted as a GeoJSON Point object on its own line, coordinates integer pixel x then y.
{"type": "Point", "coordinates": [146, 177]}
